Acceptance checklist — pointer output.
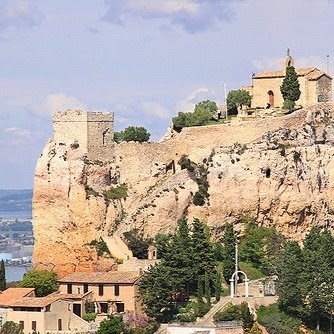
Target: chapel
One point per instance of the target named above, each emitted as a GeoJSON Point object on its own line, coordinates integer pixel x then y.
{"type": "Point", "coordinates": [315, 86]}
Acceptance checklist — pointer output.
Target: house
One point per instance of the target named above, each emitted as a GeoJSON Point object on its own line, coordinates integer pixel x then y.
{"type": "Point", "coordinates": [55, 313]}
{"type": "Point", "coordinates": [113, 291]}
{"type": "Point", "coordinates": [9, 296]}
{"type": "Point", "coordinates": [315, 86]}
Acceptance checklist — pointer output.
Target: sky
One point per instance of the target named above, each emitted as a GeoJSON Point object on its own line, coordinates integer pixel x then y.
{"type": "Point", "coordinates": [146, 60]}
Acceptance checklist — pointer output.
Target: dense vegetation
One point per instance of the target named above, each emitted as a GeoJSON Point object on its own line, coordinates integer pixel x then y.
{"type": "Point", "coordinates": [132, 133]}
{"type": "Point", "coordinates": [202, 114]}
{"type": "Point", "coordinates": [44, 282]}
{"type": "Point", "coordinates": [192, 265]}
{"type": "Point", "coordinates": [238, 99]}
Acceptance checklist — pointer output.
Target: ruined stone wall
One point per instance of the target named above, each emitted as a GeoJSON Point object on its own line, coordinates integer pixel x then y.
{"type": "Point", "coordinates": [323, 89]}
{"type": "Point", "coordinates": [93, 131]}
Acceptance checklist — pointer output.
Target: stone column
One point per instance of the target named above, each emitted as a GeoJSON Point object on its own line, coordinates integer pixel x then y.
{"type": "Point", "coordinates": [232, 287]}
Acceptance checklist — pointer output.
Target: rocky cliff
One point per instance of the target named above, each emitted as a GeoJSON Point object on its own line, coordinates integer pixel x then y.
{"type": "Point", "coordinates": [278, 170]}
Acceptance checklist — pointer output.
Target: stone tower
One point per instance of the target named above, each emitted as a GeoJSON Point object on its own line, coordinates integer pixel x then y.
{"type": "Point", "coordinates": [92, 131]}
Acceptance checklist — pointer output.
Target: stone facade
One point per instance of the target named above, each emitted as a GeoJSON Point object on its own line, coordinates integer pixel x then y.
{"type": "Point", "coordinates": [315, 86]}
{"type": "Point", "coordinates": [92, 131]}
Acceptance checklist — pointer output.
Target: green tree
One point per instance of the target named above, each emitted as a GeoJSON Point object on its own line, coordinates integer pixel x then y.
{"type": "Point", "coordinates": [206, 106]}
{"type": "Point", "coordinates": [135, 133]}
{"type": "Point", "coordinates": [290, 87]}
{"type": "Point", "coordinates": [202, 113]}
{"type": "Point", "coordinates": [10, 327]}
{"type": "Point", "coordinates": [246, 317]}
{"type": "Point", "coordinates": [137, 243]}
{"type": "Point", "coordinates": [238, 98]}
{"type": "Point", "coordinates": [156, 291]}
{"type": "Point", "coordinates": [229, 241]}
{"type": "Point", "coordinates": [178, 258]}
{"type": "Point", "coordinates": [317, 276]}
{"type": "Point", "coordinates": [260, 247]}
{"type": "Point", "coordinates": [111, 325]}
{"type": "Point", "coordinates": [203, 258]}
{"type": "Point", "coordinates": [2, 276]}
{"type": "Point", "coordinates": [118, 136]}
{"type": "Point", "coordinates": [289, 285]}
{"type": "Point", "coordinates": [44, 282]}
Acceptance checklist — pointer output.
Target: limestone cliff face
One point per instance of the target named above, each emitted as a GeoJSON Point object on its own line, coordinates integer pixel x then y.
{"type": "Point", "coordinates": [278, 170]}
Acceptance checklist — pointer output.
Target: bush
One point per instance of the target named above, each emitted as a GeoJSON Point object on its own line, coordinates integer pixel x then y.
{"type": "Point", "coordinates": [117, 193]}
{"type": "Point", "coordinates": [100, 246]}
{"type": "Point", "coordinates": [276, 321]}
{"type": "Point", "coordinates": [199, 199]}
{"type": "Point", "coordinates": [287, 104]}
{"type": "Point", "coordinates": [89, 317]}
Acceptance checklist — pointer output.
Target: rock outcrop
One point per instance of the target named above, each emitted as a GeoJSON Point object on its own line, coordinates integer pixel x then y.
{"type": "Point", "coordinates": [278, 170]}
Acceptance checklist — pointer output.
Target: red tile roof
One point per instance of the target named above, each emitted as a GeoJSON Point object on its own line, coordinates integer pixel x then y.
{"type": "Point", "coordinates": [35, 301]}
{"type": "Point", "coordinates": [12, 294]}
{"type": "Point", "coordinates": [110, 277]}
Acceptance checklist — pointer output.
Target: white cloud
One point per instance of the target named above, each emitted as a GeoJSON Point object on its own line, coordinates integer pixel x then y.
{"type": "Point", "coordinates": [156, 110]}
{"type": "Point", "coordinates": [198, 95]}
{"type": "Point", "coordinates": [18, 132]}
{"type": "Point", "coordinates": [19, 14]}
{"type": "Point", "coordinates": [57, 102]}
{"type": "Point", "coordinates": [191, 15]}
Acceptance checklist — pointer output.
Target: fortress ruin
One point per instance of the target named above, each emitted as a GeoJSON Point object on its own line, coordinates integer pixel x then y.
{"type": "Point", "coordinates": [93, 132]}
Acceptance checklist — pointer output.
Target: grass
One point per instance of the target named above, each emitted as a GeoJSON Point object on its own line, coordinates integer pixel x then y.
{"type": "Point", "coordinates": [117, 193]}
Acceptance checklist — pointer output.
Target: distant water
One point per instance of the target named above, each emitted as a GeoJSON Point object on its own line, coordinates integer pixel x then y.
{"type": "Point", "coordinates": [15, 273]}
{"type": "Point", "coordinates": [16, 215]}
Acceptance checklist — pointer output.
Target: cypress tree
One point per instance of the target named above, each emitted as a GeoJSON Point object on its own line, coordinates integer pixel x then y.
{"type": "Point", "coordinates": [2, 276]}
{"type": "Point", "coordinates": [290, 87]}
{"type": "Point", "coordinates": [289, 283]}
{"type": "Point", "coordinates": [229, 242]}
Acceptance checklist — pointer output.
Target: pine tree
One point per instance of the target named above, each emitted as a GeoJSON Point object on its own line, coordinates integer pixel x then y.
{"type": "Point", "coordinates": [218, 287]}
{"type": "Point", "coordinates": [289, 283]}
{"type": "Point", "coordinates": [318, 275]}
{"type": "Point", "coordinates": [203, 258]}
{"type": "Point", "coordinates": [290, 87]}
{"type": "Point", "coordinates": [2, 276]}
{"type": "Point", "coordinates": [178, 258]}
{"type": "Point", "coordinates": [229, 242]}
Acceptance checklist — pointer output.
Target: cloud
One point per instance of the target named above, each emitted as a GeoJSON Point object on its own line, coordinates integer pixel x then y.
{"type": "Point", "coordinates": [57, 102]}
{"type": "Point", "coordinates": [18, 132]}
{"type": "Point", "coordinates": [191, 15]}
{"type": "Point", "coordinates": [156, 110]}
{"type": "Point", "coordinates": [198, 95]}
{"type": "Point", "coordinates": [19, 14]}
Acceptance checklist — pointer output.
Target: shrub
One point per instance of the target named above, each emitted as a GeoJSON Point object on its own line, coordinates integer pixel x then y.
{"type": "Point", "coordinates": [100, 246]}
{"type": "Point", "coordinates": [199, 199]}
{"type": "Point", "coordinates": [117, 193]}
{"type": "Point", "coordinates": [89, 317]}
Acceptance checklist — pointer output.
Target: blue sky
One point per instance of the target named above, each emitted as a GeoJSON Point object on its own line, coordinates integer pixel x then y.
{"type": "Point", "coordinates": [143, 59]}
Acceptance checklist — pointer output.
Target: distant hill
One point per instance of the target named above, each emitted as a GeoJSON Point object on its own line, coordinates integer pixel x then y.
{"type": "Point", "coordinates": [15, 200]}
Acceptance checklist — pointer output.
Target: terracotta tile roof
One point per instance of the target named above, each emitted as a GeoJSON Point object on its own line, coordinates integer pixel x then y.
{"type": "Point", "coordinates": [12, 294]}
{"type": "Point", "coordinates": [280, 74]}
{"type": "Point", "coordinates": [111, 277]}
{"type": "Point", "coordinates": [316, 74]}
{"type": "Point", "coordinates": [35, 301]}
